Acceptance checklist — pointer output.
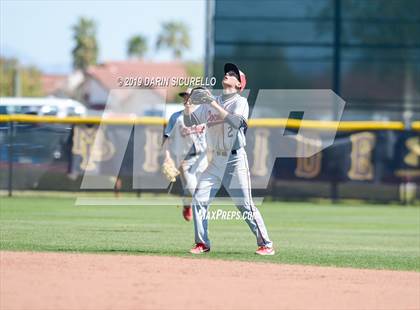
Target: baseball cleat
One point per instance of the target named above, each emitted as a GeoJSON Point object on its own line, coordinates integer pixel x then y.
{"type": "Point", "coordinates": [200, 248]}
{"type": "Point", "coordinates": [265, 250]}
{"type": "Point", "coordinates": [187, 213]}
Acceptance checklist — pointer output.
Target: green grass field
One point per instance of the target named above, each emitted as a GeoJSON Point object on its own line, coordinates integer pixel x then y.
{"type": "Point", "coordinates": [362, 236]}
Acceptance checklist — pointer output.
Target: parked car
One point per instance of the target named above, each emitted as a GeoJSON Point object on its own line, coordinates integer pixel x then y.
{"type": "Point", "coordinates": [41, 106]}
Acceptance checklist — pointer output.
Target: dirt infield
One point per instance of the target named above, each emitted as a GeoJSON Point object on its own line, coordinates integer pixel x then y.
{"type": "Point", "coordinates": [86, 281]}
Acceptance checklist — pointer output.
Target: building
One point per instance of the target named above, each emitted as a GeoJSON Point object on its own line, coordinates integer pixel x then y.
{"type": "Point", "coordinates": [53, 84]}
{"type": "Point", "coordinates": [61, 86]}
{"type": "Point", "coordinates": [117, 83]}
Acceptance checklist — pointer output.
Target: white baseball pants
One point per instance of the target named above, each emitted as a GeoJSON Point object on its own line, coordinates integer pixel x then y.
{"type": "Point", "coordinates": [232, 171]}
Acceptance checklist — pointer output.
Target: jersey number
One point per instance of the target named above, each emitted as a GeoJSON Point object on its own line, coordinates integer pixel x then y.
{"type": "Point", "coordinates": [230, 132]}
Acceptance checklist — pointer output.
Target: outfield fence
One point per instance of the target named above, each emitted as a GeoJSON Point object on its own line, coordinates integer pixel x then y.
{"type": "Point", "coordinates": [376, 161]}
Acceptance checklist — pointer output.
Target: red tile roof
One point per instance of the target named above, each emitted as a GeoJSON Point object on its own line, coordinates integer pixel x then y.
{"type": "Point", "coordinates": [52, 82]}
{"type": "Point", "coordinates": [108, 73]}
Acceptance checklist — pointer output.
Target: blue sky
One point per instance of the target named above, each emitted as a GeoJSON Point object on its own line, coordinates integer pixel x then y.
{"type": "Point", "coordinates": [39, 32]}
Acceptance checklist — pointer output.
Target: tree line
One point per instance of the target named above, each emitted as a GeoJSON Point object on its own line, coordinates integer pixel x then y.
{"type": "Point", "coordinates": [26, 80]}
{"type": "Point", "coordinates": [174, 36]}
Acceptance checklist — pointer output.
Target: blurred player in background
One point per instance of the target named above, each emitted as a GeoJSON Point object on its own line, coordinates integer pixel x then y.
{"type": "Point", "coordinates": [185, 149]}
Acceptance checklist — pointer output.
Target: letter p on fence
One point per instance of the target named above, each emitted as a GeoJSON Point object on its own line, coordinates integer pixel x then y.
{"type": "Point", "coordinates": [319, 113]}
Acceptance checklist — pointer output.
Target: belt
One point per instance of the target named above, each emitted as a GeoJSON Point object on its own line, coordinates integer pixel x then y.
{"type": "Point", "coordinates": [225, 153]}
{"type": "Point", "coordinates": [192, 155]}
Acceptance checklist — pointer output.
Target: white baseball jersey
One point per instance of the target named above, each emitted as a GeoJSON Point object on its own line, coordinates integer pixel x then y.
{"type": "Point", "coordinates": [229, 167]}
{"type": "Point", "coordinates": [184, 141]}
{"type": "Point", "coordinates": [187, 146]}
{"type": "Point", "coordinates": [221, 136]}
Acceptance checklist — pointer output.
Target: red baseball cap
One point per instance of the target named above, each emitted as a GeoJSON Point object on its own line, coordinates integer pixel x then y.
{"type": "Point", "coordinates": [232, 67]}
{"type": "Point", "coordinates": [187, 92]}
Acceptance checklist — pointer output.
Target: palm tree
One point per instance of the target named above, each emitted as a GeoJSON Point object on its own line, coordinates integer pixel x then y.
{"type": "Point", "coordinates": [85, 52]}
{"type": "Point", "coordinates": [174, 36]}
{"type": "Point", "coordinates": [137, 46]}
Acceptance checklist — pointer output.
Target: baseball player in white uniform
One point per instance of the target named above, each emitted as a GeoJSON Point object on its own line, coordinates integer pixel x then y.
{"type": "Point", "coordinates": [187, 145]}
{"type": "Point", "coordinates": [226, 119]}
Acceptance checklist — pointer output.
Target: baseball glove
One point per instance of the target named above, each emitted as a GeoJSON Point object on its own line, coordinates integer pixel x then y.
{"type": "Point", "coordinates": [201, 95]}
{"type": "Point", "coordinates": [169, 170]}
